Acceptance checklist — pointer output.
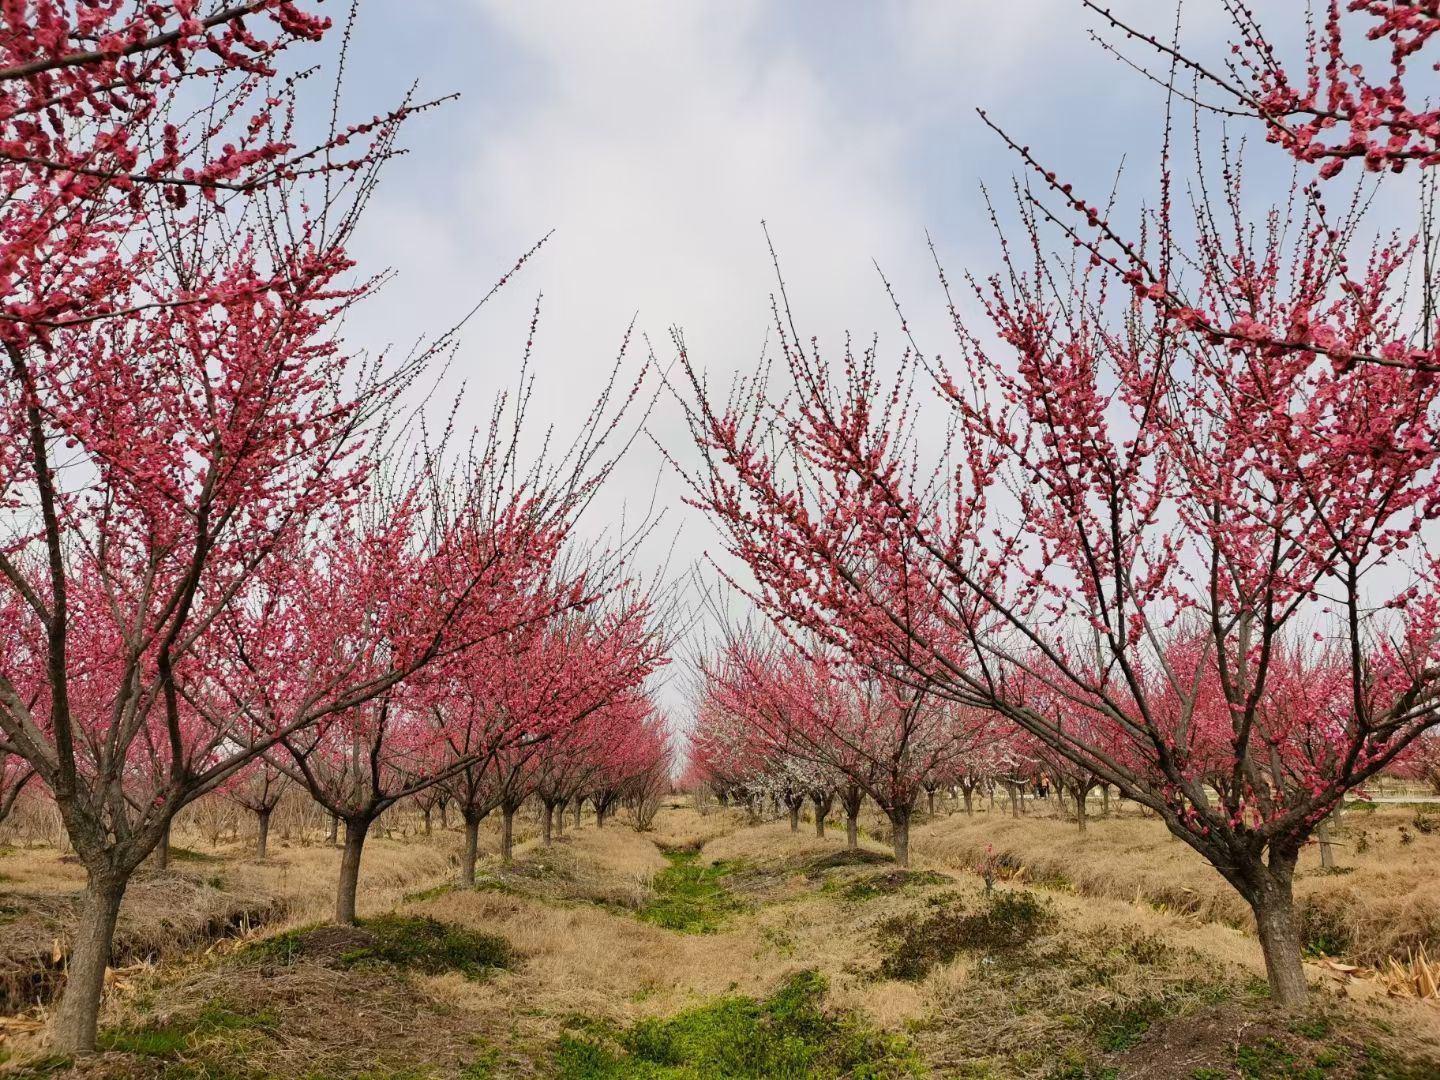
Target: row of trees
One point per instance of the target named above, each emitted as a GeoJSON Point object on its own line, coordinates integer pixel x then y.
{"type": "Point", "coordinates": [232, 553]}
{"type": "Point", "coordinates": [1175, 522]}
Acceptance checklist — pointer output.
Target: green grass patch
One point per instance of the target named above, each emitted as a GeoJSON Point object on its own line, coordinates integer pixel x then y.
{"type": "Point", "coordinates": [430, 946]}
{"type": "Point", "coordinates": [691, 897]}
{"type": "Point", "coordinates": [785, 1037]}
{"type": "Point", "coordinates": [1006, 921]}
{"type": "Point", "coordinates": [416, 943]}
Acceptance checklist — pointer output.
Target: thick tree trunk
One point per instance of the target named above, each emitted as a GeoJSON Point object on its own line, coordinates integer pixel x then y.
{"type": "Point", "coordinates": [579, 808]}
{"type": "Point", "coordinates": [334, 834]}
{"type": "Point", "coordinates": [425, 814]}
{"type": "Point", "coordinates": [900, 839]}
{"type": "Point", "coordinates": [1104, 800]}
{"type": "Point", "coordinates": [262, 840]}
{"type": "Point", "coordinates": [78, 1015]}
{"type": "Point", "coordinates": [821, 806]}
{"type": "Point", "coordinates": [1274, 907]}
{"type": "Point", "coordinates": [507, 834]}
{"type": "Point", "coordinates": [560, 819]}
{"type": "Point", "coordinates": [969, 797]}
{"type": "Point", "coordinates": [444, 805]}
{"type": "Point", "coordinates": [549, 823]}
{"type": "Point", "coordinates": [930, 803]}
{"type": "Point", "coordinates": [794, 817]}
{"type": "Point", "coordinates": [355, 830]}
{"type": "Point", "coordinates": [1014, 806]}
{"type": "Point", "coordinates": [1081, 807]}
{"type": "Point", "coordinates": [472, 847]}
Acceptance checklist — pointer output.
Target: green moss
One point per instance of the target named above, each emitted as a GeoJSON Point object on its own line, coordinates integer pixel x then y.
{"type": "Point", "coordinates": [789, 1035]}
{"type": "Point", "coordinates": [691, 897]}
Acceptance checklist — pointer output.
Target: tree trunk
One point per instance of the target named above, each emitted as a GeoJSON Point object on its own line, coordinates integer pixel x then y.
{"type": "Point", "coordinates": [1104, 800]}
{"type": "Point", "coordinates": [1081, 807]}
{"type": "Point", "coordinates": [1014, 806]}
{"type": "Point", "coordinates": [162, 849]}
{"type": "Point", "coordinates": [262, 841]}
{"type": "Point", "coordinates": [1327, 849]}
{"type": "Point", "coordinates": [444, 814]}
{"type": "Point", "coordinates": [969, 801]}
{"type": "Point", "coordinates": [78, 1015]}
{"type": "Point", "coordinates": [560, 819]}
{"type": "Point", "coordinates": [426, 815]}
{"type": "Point", "coordinates": [472, 847]}
{"type": "Point", "coordinates": [930, 803]}
{"type": "Point", "coordinates": [1274, 907]}
{"type": "Point", "coordinates": [900, 840]}
{"type": "Point", "coordinates": [334, 829]}
{"type": "Point", "coordinates": [549, 823]}
{"type": "Point", "coordinates": [355, 830]}
{"type": "Point", "coordinates": [794, 817]}
{"type": "Point", "coordinates": [507, 834]}
{"type": "Point", "coordinates": [579, 808]}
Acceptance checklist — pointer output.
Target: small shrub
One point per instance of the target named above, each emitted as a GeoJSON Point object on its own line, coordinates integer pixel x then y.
{"type": "Point", "coordinates": [1007, 921]}
{"type": "Point", "coordinates": [1426, 822]}
{"type": "Point", "coordinates": [1406, 836]}
{"type": "Point", "coordinates": [1362, 842]}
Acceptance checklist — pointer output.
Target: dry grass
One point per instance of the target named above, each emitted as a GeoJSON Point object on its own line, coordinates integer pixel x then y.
{"type": "Point", "coordinates": [1382, 902]}
{"type": "Point", "coordinates": [1109, 983]}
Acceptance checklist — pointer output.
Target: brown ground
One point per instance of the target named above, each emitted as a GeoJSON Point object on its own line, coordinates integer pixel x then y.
{"type": "Point", "coordinates": [1118, 981]}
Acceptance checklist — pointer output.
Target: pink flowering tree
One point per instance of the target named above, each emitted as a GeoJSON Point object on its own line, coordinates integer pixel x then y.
{"type": "Point", "coordinates": [1128, 521]}
{"type": "Point", "coordinates": [180, 410]}
{"type": "Point", "coordinates": [814, 718]}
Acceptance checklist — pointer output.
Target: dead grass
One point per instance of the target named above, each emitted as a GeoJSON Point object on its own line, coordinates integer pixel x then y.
{"type": "Point", "coordinates": [1103, 986]}
{"type": "Point", "coordinates": [1382, 902]}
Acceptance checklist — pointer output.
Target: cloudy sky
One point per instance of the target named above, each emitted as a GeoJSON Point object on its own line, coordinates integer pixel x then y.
{"type": "Point", "coordinates": [653, 138]}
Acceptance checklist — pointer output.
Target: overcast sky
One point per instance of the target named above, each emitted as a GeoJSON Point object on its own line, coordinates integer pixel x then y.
{"type": "Point", "coordinates": [653, 138]}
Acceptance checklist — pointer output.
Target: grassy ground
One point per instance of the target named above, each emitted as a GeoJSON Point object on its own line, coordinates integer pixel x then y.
{"type": "Point", "coordinates": [712, 948]}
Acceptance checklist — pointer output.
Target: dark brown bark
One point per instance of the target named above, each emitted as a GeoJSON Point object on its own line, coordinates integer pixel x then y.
{"type": "Point", "coordinates": [548, 820]}
{"type": "Point", "coordinates": [262, 839]}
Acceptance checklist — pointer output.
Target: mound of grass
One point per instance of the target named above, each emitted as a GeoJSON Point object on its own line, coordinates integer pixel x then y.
{"type": "Point", "coordinates": [890, 882]}
{"type": "Point", "coordinates": [690, 897]}
{"type": "Point", "coordinates": [789, 1035]}
{"type": "Point", "coordinates": [430, 946]}
{"type": "Point", "coordinates": [416, 943]}
{"type": "Point", "coordinates": [818, 866]}
{"type": "Point", "coordinates": [1008, 920]}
